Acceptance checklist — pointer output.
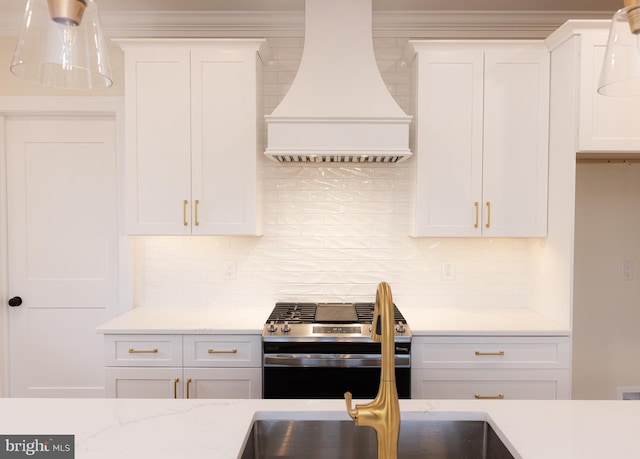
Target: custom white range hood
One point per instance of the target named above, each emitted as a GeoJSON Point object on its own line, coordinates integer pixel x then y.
{"type": "Point", "coordinates": [338, 108]}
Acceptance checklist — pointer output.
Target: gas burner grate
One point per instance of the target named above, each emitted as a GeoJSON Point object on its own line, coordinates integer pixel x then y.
{"type": "Point", "coordinates": [365, 313]}
{"type": "Point", "coordinates": [293, 313]}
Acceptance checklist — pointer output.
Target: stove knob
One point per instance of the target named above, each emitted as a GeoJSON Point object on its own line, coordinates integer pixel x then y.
{"type": "Point", "coordinates": [400, 328]}
{"type": "Point", "coordinates": [286, 328]}
{"type": "Point", "coordinates": [272, 327]}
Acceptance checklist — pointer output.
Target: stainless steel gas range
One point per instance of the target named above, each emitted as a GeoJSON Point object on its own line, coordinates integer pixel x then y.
{"type": "Point", "coordinates": [322, 350]}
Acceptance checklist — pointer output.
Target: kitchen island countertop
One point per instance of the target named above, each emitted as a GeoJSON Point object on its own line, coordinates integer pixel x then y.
{"type": "Point", "coordinates": [206, 429]}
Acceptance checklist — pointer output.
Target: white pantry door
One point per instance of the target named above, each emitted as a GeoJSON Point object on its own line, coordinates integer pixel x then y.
{"type": "Point", "coordinates": [62, 254]}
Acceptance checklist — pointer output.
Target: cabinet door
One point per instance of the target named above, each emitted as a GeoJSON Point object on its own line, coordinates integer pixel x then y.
{"type": "Point", "coordinates": [449, 143]}
{"type": "Point", "coordinates": [239, 383]}
{"type": "Point", "coordinates": [138, 382]}
{"type": "Point", "coordinates": [158, 140]}
{"type": "Point", "coordinates": [224, 114]}
{"type": "Point", "coordinates": [515, 150]}
{"type": "Point", "coordinates": [606, 124]}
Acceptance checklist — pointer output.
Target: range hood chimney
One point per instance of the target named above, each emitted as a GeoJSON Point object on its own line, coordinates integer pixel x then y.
{"type": "Point", "coordinates": [338, 108]}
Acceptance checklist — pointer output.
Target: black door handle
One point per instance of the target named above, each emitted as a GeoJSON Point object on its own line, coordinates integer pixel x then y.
{"type": "Point", "coordinates": [15, 301]}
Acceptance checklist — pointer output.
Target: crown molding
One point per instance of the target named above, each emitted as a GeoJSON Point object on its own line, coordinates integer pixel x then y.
{"type": "Point", "coordinates": [475, 24]}
{"type": "Point", "coordinates": [418, 24]}
{"type": "Point", "coordinates": [19, 105]}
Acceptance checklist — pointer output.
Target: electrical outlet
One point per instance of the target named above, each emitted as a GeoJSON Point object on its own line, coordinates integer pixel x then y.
{"type": "Point", "coordinates": [230, 270]}
{"type": "Point", "coordinates": [448, 271]}
{"type": "Point", "coordinates": [627, 269]}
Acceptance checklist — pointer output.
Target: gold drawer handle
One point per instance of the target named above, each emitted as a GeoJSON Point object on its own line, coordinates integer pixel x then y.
{"type": "Point", "coordinates": [223, 351]}
{"type": "Point", "coordinates": [184, 212]}
{"type": "Point", "coordinates": [143, 351]}
{"type": "Point", "coordinates": [175, 387]}
{"type": "Point", "coordinates": [490, 353]}
{"type": "Point", "coordinates": [490, 397]}
{"type": "Point", "coordinates": [188, 384]}
{"type": "Point", "coordinates": [475, 204]}
{"type": "Point", "coordinates": [197, 222]}
{"type": "Point", "coordinates": [488, 225]}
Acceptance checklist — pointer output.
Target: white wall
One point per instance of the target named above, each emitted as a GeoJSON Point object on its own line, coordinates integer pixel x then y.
{"type": "Point", "coordinates": [606, 309]}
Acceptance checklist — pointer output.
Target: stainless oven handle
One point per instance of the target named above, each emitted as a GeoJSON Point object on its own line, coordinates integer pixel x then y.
{"type": "Point", "coordinates": [331, 360]}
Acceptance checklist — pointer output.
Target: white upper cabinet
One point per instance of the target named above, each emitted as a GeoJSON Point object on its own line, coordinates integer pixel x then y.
{"type": "Point", "coordinates": [193, 138]}
{"type": "Point", "coordinates": [481, 138]}
{"type": "Point", "coordinates": [605, 124]}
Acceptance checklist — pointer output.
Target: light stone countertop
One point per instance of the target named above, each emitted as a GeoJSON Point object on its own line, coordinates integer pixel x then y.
{"type": "Point", "coordinates": [423, 321]}
{"type": "Point", "coordinates": [481, 321]}
{"type": "Point", "coordinates": [192, 320]}
{"type": "Point", "coordinates": [206, 429]}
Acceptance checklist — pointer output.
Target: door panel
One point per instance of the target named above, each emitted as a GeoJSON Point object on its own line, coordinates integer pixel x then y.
{"type": "Point", "coordinates": [158, 141]}
{"type": "Point", "coordinates": [63, 246]}
{"type": "Point", "coordinates": [450, 142]}
{"type": "Point", "coordinates": [223, 103]}
{"type": "Point", "coordinates": [62, 352]}
{"type": "Point", "coordinates": [515, 159]}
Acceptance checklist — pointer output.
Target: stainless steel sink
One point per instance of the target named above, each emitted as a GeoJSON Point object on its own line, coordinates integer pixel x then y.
{"type": "Point", "coordinates": [335, 439]}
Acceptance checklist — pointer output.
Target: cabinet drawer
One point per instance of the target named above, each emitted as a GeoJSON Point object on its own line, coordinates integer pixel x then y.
{"type": "Point", "coordinates": [490, 384]}
{"type": "Point", "coordinates": [222, 351]}
{"type": "Point", "coordinates": [143, 350]}
{"type": "Point", "coordinates": [491, 352]}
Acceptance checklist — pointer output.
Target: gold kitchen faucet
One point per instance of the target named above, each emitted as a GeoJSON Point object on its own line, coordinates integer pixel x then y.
{"type": "Point", "coordinates": [383, 413]}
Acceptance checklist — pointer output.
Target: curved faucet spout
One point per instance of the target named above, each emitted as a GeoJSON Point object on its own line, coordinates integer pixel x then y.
{"type": "Point", "coordinates": [383, 413]}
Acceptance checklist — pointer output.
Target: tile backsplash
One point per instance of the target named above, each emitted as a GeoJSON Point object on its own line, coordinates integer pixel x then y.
{"type": "Point", "coordinates": [332, 233]}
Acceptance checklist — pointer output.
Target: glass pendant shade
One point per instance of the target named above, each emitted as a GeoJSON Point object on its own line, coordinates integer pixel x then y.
{"type": "Point", "coordinates": [620, 74]}
{"type": "Point", "coordinates": [61, 45]}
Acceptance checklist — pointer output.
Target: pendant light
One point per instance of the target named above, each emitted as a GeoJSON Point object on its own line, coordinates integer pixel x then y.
{"type": "Point", "coordinates": [620, 74]}
{"type": "Point", "coordinates": [61, 45]}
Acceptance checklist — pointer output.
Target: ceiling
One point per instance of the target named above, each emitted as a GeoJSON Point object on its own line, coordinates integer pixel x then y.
{"type": "Point", "coordinates": [11, 6]}
{"type": "Point", "coordinates": [532, 19]}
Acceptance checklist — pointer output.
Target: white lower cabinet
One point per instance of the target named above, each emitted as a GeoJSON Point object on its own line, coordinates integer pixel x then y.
{"type": "Point", "coordinates": [532, 367]}
{"type": "Point", "coordinates": [183, 366]}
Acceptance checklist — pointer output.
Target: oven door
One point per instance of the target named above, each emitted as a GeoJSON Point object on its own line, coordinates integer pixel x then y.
{"type": "Point", "coordinates": [328, 370]}
{"type": "Point", "coordinates": [329, 382]}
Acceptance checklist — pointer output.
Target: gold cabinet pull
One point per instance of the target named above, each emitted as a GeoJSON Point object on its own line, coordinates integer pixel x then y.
{"type": "Point", "coordinates": [196, 222]}
{"type": "Point", "coordinates": [490, 353]}
{"type": "Point", "coordinates": [184, 212]}
{"type": "Point", "coordinates": [489, 397]}
{"type": "Point", "coordinates": [475, 204]}
{"type": "Point", "coordinates": [223, 351]}
{"type": "Point", "coordinates": [188, 384]}
{"type": "Point", "coordinates": [488, 225]}
{"type": "Point", "coordinates": [143, 351]}
{"type": "Point", "coordinates": [175, 387]}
